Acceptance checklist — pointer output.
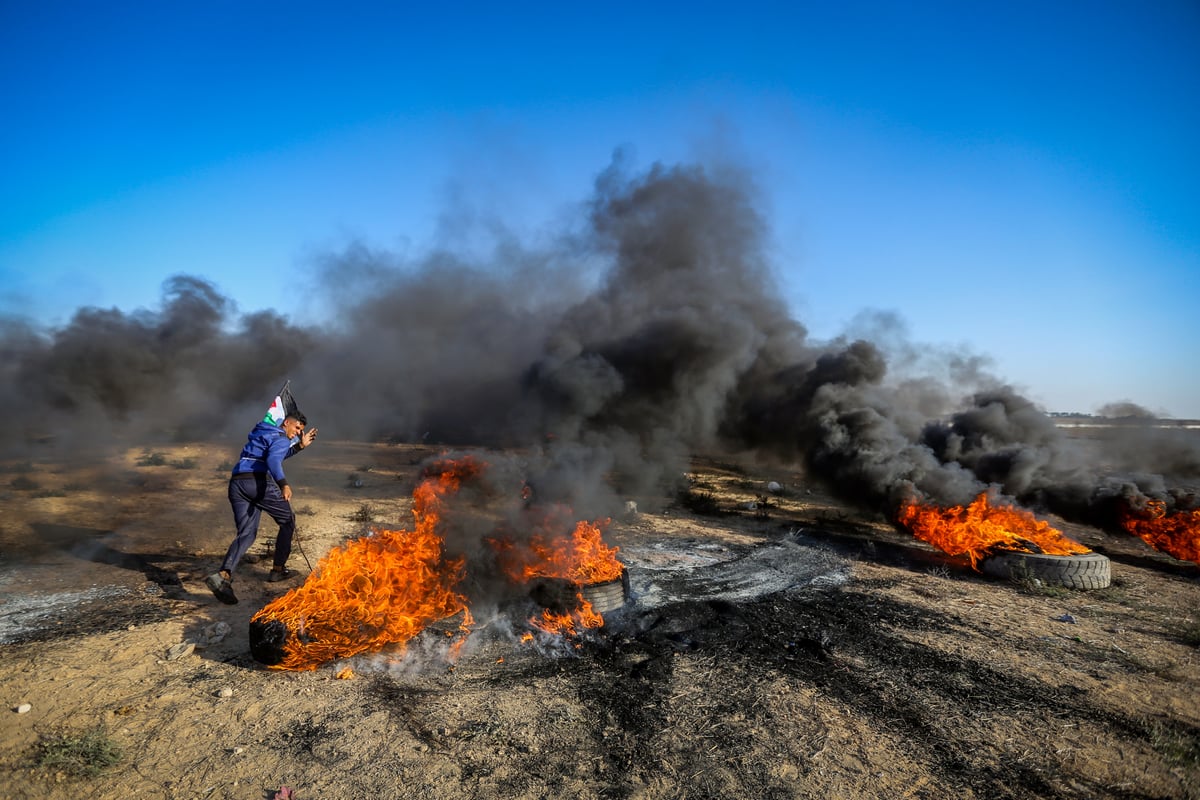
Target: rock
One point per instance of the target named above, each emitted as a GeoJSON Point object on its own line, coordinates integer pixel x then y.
{"type": "Point", "coordinates": [631, 508]}
{"type": "Point", "coordinates": [24, 708]}
{"type": "Point", "coordinates": [774, 488]}
{"type": "Point", "coordinates": [214, 634]}
{"type": "Point", "coordinates": [180, 650]}
{"type": "Point", "coordinates": [225, 692]}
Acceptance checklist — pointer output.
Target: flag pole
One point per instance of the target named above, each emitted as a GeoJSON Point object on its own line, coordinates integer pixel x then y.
{"type": "Point", "coordinates": [300, 547]}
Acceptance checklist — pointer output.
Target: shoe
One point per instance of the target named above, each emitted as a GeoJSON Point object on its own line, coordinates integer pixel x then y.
{"type": "Point", "coordinates": [274, 576]}
{"type": "Point", "coordinates": [221, 589]}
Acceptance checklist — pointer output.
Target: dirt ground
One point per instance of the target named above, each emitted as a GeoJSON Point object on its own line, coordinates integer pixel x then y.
{"type": "Point", "coordinates": [798, 649]}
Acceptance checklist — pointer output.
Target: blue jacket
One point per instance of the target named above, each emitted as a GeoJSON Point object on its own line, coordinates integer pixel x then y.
{"type": "Point", "coordinates": [266, 448]}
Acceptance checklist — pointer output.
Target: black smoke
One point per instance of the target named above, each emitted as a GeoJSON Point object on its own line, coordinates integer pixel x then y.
{"type": "Point", "coordinates": [650, 329]}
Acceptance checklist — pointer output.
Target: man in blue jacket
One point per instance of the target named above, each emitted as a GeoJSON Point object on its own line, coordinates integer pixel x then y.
{"type": "Point", "coordinates": [257, 485]}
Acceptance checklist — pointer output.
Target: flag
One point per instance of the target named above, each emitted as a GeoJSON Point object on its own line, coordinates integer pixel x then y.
{"type": "Point", "coordinates": [284, 405]}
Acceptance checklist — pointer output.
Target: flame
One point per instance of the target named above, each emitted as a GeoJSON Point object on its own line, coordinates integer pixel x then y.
{"type": "Point", "coordinates": [978, 528]}
{"type": "Point", "coordinates": [1177, 534]}
{"type": "Point", "coordinates": [382, 590]}
{"type": "Point", "coordinates": [379, 590]}
{"type": "Point", "coordinates": [571, 623]}
{"type": "Point", "coordinates": [581, 558]}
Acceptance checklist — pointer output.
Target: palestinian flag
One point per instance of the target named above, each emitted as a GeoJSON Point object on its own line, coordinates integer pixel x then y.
{"type": "Point", "coordinates": [284, 404]}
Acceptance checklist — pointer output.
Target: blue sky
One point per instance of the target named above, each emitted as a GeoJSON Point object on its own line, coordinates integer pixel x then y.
{"type": "Point", "coordinates": [1018, 180]}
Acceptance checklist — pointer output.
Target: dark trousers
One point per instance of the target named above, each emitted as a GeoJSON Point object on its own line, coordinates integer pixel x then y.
{"type": "Point", "coordinates": [250, 494]}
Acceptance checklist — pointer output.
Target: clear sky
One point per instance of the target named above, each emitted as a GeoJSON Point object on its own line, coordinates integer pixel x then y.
{"type": "Point", "coordinates": [1018, 179]}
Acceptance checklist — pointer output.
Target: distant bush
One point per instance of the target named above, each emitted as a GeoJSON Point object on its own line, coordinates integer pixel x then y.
{"type": "Point", "coordinates": [702, 502]}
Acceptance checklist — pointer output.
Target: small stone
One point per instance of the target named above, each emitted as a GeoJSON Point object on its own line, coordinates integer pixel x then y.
{"type": "Point", "coordinates": [24, 708]}
{"type": "Point", "coordinates": [774, 488]}
{"type": "Point", "coordinates": [237, 751]}
{"type": "Point", "coordinates": [225, 692]}
{"type": "Point", "coordinates": [214, 634]}
{"type": "Point", "coordinates": [180, 650]}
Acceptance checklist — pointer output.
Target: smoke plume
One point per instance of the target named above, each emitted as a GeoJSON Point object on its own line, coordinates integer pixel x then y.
{"type": "Point", "coordinates": [651, 330]}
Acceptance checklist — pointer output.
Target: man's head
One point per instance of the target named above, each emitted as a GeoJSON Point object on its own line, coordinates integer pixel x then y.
{"type": "Point", "coordinates": [293, 424]}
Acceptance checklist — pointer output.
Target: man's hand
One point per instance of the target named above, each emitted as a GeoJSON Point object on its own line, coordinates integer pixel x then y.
{"type": "Point", "coordinates": [287, 494]}
{"type": "Point", "coordinates": [307, 437]}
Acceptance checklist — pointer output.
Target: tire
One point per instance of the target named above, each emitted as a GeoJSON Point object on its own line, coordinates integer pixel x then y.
{"type": "Point", "coordinates": [605, 597]}
{"type": "Point", "coordinates": [267, 640]}
{"type": "Point", "coordinates": [560, 595]}
{"type": "Point", "coordinates": [1085, 571]}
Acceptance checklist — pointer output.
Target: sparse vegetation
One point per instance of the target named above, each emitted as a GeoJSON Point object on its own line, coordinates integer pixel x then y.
{"type": "Point", "coordinates": [81, 754]}
{"type": "Point", "coordinates": [1177, 746]}
{"type": "Point", "coordinates": [184, 463]}
{"type": "Point", "coordinates": [703, 502]}
{"type": "Point", "coordinates": [762, 506]}
{"type": "Point", "coordinates": [151, 459]}
{"type": "Point", "coordinates": [24, 483]}
{"type": "Point", "coordinates": [1189, 633]}
{"type": "Point", "coordinates": [364, 513]}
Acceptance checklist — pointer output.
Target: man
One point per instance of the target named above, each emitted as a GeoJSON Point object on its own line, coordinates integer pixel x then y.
{"type": "Point", "coordinates": [257, 485]}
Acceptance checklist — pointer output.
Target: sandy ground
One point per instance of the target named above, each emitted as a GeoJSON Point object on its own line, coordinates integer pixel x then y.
{"type": "Point", "coordinates": [797, 650]}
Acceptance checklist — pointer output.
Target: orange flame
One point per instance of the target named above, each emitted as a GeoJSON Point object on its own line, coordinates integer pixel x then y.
{"type": "Point", "coordinates": [978, 528]}
{"type": "Point", "coordinates": [379, 590]}
{"type": "Point", "coordinates": [1176, 534]}
{"type": "Point", "coordinates": [582, 558]}
{"type": "Point", "coordinates": [382, 590]}
{"type": "Point", "coordinates": [571, 623]}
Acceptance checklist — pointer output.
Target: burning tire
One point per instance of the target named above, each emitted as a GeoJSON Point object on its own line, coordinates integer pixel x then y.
{"type": "Point", "coordinates": [561, 595]}
{"type": "Point", "coordinates": [607, 596]}
{"type": "Point", "coordinates": [267, 640]}
{"type": "Point", "coordinates": [1085, 571]}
